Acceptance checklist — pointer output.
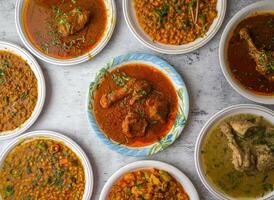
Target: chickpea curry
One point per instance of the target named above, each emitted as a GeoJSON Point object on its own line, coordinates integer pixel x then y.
{"type": "Point", "coordinates": [175, 22]}
{"type": "Point", "coordinates": [135, 104]}
{"type": "Point", "coordinates": [251, 53]}
{"type": "Point", "coordinates": [147, 184]}
{"type": "Point", "coordinates": [42, 169]}
{"type": "Point", "coordinates": [65, 28]}
{"type": "Point", "coordinates": [19, 93]}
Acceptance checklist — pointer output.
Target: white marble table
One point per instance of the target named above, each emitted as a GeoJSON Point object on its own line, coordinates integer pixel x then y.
{"type": "Point", "coordinates": [64, 110]}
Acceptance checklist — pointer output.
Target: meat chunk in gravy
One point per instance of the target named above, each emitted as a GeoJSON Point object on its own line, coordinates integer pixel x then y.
{"type": "Point", "coordinates": [73, 21]}
{"type": "Point", "coordinates": [134, 125]}
{"type": "Point", "coordinates": [251, 150]}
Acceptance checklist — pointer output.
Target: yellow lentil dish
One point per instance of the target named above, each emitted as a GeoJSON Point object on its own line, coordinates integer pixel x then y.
{"type": "Point", "coordinates": [175, 22]}
{"type": "Point", "coordinates": [18, 86]}
{"type": "Point", "coordinates": [147, 184]}
{"type": "Point", "coordinates": [42, 169]}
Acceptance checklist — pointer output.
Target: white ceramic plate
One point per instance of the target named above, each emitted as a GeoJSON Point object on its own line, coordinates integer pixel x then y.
{"type": "Point", "coordinates": [132, 22]}
{"type": "Point", "coordinates": [111, 21]}
{"type": "Point", "coordinates": [261, 6]}
{"type": "Point", "coordinates": [215, 119]}
{"type": "Point", "coordinates": [148, 164]}
{"type": "Point", "coordinates": [68, 142]}
{"type": "Point", "coordinates": [41, 88]}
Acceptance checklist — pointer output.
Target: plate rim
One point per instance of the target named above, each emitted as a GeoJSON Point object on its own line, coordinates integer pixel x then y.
{"type": "Point", "coordinates": [36, 68]}
{"type": "Point", "coordinates": [170, 136]}
{"type": "Point", "coordinates": [183, 50]}
{"type": "Point", "coordinates": [148, 164]}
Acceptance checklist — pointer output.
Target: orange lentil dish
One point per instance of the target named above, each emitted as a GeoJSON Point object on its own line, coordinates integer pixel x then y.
{"type": "Point", "coordinates": [18, 86]}
{"type": "Point", "coordinates": [147, 184]}
{"type": "Point", "coordinates": [42, 169]}
{"type": "Point", "coordinates": [175, 22]}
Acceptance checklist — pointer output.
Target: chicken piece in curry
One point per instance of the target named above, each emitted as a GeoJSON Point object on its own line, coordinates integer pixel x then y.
{"type": "Point", "coordinates": [65, 28]}
{"type": "Point", "coordinates": [250, 53]}
{"type": "Point", "coordinates": [238, 156]}
{"type": "Point", "coordinates": [135, 105]}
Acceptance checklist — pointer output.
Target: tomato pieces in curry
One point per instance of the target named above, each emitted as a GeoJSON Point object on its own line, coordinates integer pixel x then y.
{"type": "Point", "coordinates": [135, 104]}
{"type": "Point", "coordinates": [65, 28]}
{"type": "Point", "coordinates": [147, 184]}
{"type": "Point", "coordinates": [42, 169]}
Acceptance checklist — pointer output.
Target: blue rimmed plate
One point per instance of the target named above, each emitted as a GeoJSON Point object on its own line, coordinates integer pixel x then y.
{"type": "Point", "coordinates": [183, 104]}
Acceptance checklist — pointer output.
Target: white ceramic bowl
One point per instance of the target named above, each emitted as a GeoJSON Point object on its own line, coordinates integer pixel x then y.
{"type": "Point", "coordinates": [111, 21]}
{"type": "Point", "coordinates": [136, 29]}
{"type": "Point", "coordinates": [148, 164]}
{"type": "Point", "coordinates": [41, 88]}
{"type": "Point", "coordinates": [60, 138]}
{"type": "Point", "coordinates": [215, 119]}
{"type": "Point", "coordinates": [260, 6]}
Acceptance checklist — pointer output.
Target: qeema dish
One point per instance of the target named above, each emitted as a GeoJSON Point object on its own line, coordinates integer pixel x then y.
{"type": "Point", "coordinates": [147, 184]}
{"type": "Point", "coordinates": [65, 29]}
{"type": "Point", "coordinates": [175, 22]}
{"type": "Point", "coordinates": [42, 168]}
{"type": "Point", "coordinates": [237, 156]}
{"type": "Point", "coordinates": [19, 91]}
{"type": "Point", "coordinates": [135, 105]}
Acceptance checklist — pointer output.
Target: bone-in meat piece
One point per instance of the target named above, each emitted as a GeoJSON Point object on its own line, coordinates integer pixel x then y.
{"type": "Point", "coordinates": [264, 60]}
{"type": "Point", "coordinates": [134, 125]}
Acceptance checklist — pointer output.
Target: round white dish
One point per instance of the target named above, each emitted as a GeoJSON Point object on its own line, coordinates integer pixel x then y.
{"type": "Point", "coordinates": [148, 164]}
{"type": "Point", "coordinates": [40, 84]}
{"type": "Point", "coordinates": [132, 22]}
{"type": "Point", "coordinates": [111, 22]}
{"type": "Point", "coordinates": [215, 119]}
{"type": "Point", "coordinates": [69, 143]}
{"type": "Point", "coordinates": [261, 6]}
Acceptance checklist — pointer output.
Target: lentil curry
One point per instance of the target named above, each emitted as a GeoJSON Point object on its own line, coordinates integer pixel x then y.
{"type": "Point", "coordinates": [42, 169]}
{"type": "Point", "coordinates": [135, 104]}
{"type": "Point", "coordinates": [147, 184]}
{"type": "Point", "coordinates": [65, 28]}
{"type": "Point", "coordinates": [250, 53]}
{"type": "Point", "coordinates": [18, 86]}
{"type": "Point", "coordinates": [238, 156]}
{"type": "Point", "coordinates": [175, 22]}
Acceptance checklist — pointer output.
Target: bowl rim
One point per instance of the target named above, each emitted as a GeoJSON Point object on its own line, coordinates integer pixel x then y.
{"type": "Point", "coordinates": [149, 164]}
{"type": "Point", "coordinates": [183, 49]}
{"type": "Point", "coordinates": [73, 146]}
{"type": "Point", "coordinates": [233, 22]}
{"type": "Point", "coordinates": [183, 105]}
{"type": "Point", "coordinates": [41, 87]}
{"type": "Point", "coordinates": [112, 18]}
{"type": "Point", "coordinates": [215, 118]}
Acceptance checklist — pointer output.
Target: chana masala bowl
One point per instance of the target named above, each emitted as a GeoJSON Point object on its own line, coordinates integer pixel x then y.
{"type": "Point", "coordinates": [65, 32]}
{"type": "Point", "coordinates": [174, 27]}
{"type": "Point", "coordinates": [137, 105]}
{"type": "Point", "coordinates": [45, 165]}
{"type": "Point", "coordinates": [147, 180]}
{"type": "Point", "coordinates": [22, 87]}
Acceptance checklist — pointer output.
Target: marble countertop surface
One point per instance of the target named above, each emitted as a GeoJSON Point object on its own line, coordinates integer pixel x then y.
{"type": "Point", "coordinates": [64, 109]}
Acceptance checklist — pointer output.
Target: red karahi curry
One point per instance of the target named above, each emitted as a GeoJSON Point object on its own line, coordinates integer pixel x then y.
{"type": "Point", "coordinates": [65, 28]}
{"type": "Point", "coordinates": [135, 105]}
{"type": "Point", "coordinates": [251, 53]}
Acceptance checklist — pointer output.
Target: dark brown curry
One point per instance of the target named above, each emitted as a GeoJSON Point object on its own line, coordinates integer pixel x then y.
{"type": "Point", "coordinates": [135, 105]}
{"type": "Point", "coordinates": [251, 53]}
{"type": "Point", "coordinates": [65, 28]}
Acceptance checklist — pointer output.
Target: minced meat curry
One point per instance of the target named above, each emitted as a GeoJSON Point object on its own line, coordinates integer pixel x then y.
{"type": "Point", "coordinates": [18, 86]}
{"type": "Point", "coordinates": [42, 169]}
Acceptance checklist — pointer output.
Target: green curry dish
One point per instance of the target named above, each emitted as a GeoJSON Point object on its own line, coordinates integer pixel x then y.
{"type": "Point", "coordinates": [249, 138]}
